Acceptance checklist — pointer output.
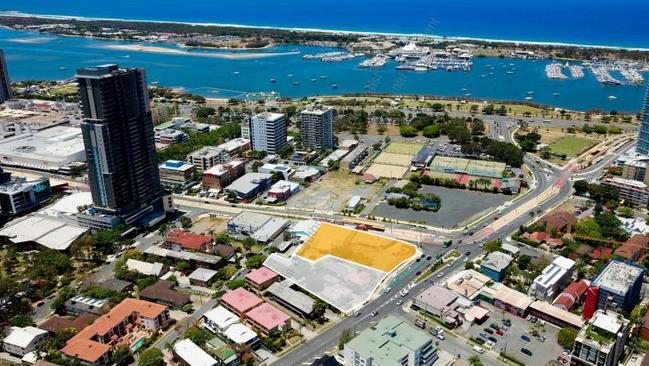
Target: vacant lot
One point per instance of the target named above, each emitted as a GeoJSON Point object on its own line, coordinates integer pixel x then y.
{"type": "Point", "coordinates": [209, 223]}
{"type": "Point", "coordinates": [359, 247]}
{"type": "Point", "coordinates": [393, 159]}
{"type": "Point", "coordinates": [403, 148]}
{"type": "Point", "coordinates": [571, 146]}
{"type": "Point", "coordinates": [387, 171]}
{"type": "Point", "coordinates": [332, 192]}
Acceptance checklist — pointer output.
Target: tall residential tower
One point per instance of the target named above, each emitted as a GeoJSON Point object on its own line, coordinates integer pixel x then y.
{"type": "Point", "coordinates": [120, 149]}
{"type": "Point", "coordinates": [317, 128]}
{"type": "Point", "coordinates": [268, 132]}
{"type": "Point", "coordinates": [643, 137]}
{"type": "Point", "coordinates": [5, 86]}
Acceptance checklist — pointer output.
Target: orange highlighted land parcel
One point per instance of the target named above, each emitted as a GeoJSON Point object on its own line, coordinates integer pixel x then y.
{"type": "Point", "coordinates": [370, 250]}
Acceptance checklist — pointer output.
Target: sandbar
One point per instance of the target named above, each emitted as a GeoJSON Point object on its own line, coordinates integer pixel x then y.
{"type": "Point", "coordinates": [172, 51]}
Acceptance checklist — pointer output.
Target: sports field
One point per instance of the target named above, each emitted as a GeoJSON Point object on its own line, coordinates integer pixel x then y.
{"type": "Point", "coordinates": [393, 159]}
{"type": "Point", "coordinates": [387, 171]}
{"type": "Point", "coordinates": [360, 247]}
{"type": "Point", "coordinates": [571, 146]}
{"type": "Point", "coordinates": [403, 148]}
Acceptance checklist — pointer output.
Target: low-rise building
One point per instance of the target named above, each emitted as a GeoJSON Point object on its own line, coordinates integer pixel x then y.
{"type": "Point", "coordinates": [439, 302]}
{"type": "Point", "coordinates": [20, 195]}
{"type": "Point", "coordinates": [282, 190]}
{"type": "Point", "coordinates": [268, 319]}
{"type": "Point", "coordinates": [162, 292]}
{"type": "Point", "coordinates": [631, 191]}
{"type": "Point", "coordinates": [333, 157]}
{"type": "Point", "coordinates": [633, 248]}
{"type": "Point", "coordinates": [512, 301]}
{"type": "Point", "coordinates": [208, 156]}
{"type": "Point", "coordinates": [240, 334]}
{"type": "Point", "coordinates": [219, 319]}
{"type": "Point", "coordinates": [57, 323]}
{"type": "Point", "coordinates": [236, 146]}
{"type": "Point", "coordinates": [223, 352]}
{"type": "Point", "coordinates": [176, 173]}
{"type": "Point", "coordinates": [270, 230]}
{"type": "Point", "coordinates": [149, 269]}
{"type": "Point", "coordinates": [560, 220]}
{"type": "Point", "coordinates": [355, 156]}
{"type": "Point", "coordinates": [495, 265]}
{"type": "Point", "coordinates": [392, 341]}
{"type": "Point", "coordinates": [547, 285]}
{"type": "Point", "coordinates": [296, 301]}
{"type": "Point", "coordinates": [306, 174]}
{"type": "Point", "coordinates": [202, 277]}
{"type": "Point", "coordinates": [183, 240]}
{"type": "Point", "coordinates": [21, 341]}
{"type": "Point", "coordinates": [194, 259]}
{"type": "Point", "coordinates": [222, 175]}
{"type": "Point", "coordinates": [246, 223]}
{"type": "Point", "coordinates": [170, 136]}
{"type": "Point", "coordinates": [261, 278]}
{"type": "Point", "coordinates": [602, 341]}
{"type": "Point", "coordinates": [86, 305]}
{"type": "Point", "coordinates": [270, 168]}
{"type": "Point", "coordinates": [554, 315]}
{"type": "Point", "coordinates": [249, 186]}
{"type": "Point", "coordinates": [187, 353]}
{"type": "Point", "coordinates": [240, 301]}
{"type": "Point", "coordinates": [571, 295]}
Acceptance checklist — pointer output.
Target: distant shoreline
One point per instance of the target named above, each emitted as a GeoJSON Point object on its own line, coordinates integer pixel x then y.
{"type": "Point", "coordinates": [172, 51]}
{"type": "Point", "coordinates": [326, 31]}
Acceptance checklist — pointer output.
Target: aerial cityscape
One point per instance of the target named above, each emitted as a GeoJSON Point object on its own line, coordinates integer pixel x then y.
{"type": "Point", "coordinates": [324, 183]}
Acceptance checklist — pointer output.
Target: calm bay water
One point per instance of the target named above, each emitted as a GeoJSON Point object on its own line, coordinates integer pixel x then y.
{"type": "Point", "coordinates": [38, 56]}
{"type": "Point", "coordinates": [596, 22]}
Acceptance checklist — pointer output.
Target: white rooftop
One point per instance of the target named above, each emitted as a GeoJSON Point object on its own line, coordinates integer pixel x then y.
{"type": "Point", "coordinates": [47, 149]}
{"type": "Point", "coordinates": [239, 333]}
{"type": "Point", "coordinates": [192, 354]}
{"type": "Point", "coordinates": [51, 233]}
{"type": "Point", "coordinates": [606, 322]}
{"type": "Point", "coordinates": [67, 206]}
{"type": "Point", "coordinates": [617, 277]}
{"type": "Point", "coordinates": [222, 317]}
{"type": "Point", "coordinates": [151, 269]}
{"type": "Point", "coordinates": [202, 274]}
{"type": "Point", "coordinates": [22, 337]}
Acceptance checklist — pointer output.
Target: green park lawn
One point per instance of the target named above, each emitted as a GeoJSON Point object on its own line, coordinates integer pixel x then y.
{"type": "Point", "coordinates": [571, 146]}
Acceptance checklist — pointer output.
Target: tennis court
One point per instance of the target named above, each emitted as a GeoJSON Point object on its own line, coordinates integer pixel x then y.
{"type": "Point", "coordinates": [403, 148]}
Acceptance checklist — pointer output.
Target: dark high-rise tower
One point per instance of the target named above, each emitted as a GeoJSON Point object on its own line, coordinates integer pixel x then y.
{"type": "Point", "coordinates": [5, 86]}
{"type": "Point", "coordinates": [118, 138]}
{"type": "Point", "coordinates": [642, 146]}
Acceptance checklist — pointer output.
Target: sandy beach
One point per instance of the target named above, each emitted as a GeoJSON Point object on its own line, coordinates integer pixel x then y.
{"type": "Point", "coordinates": [172, 51]}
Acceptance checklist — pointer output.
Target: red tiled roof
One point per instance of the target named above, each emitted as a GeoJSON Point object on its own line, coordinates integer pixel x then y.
{"type": "Point", "coordinates": [640, 240]}
{"type": "Point", "coordinates": [599, 252]}
{"type": "Point", "coordinates": [571, 294]}
{"type": "Point", "coordinates": [558, 220]}
{"type": "Point", "coordinates": [241, 300]}
{"type": "Point", "coordinates": [268, 316]}
{"type": "Point", "coordinates": [538, 237]}
{"type": "Point", "coordinates": [188, 240]}
{"type": "Point", "coordinates": [261, 275]}
{"type": "Point", "coordinates": [555, 243]}
{"type": "Point", "coordinates": [58, 323]}
{"type": "Point", "coordinates": [224, 250]}
{"type": "Point", "coordinates": [628, 251]}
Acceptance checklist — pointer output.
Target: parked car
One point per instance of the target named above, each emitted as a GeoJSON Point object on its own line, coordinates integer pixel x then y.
{"type": "Point", "coordinates": [525, 338]}
{"type": "Point", "coordinates": [494, 326]}
{"type": "Point", "coordinates": [526, 351]}
{"type": "Point", "coordinates": [374, 313]}
{"type": "Point", "coordinates": [478, 349]}
{"type": "Point", "coordinates": [440, 336]}
{"type": "Point", "coordinates": [500, 332]}
{"type": "Point", "coordinates": [493, 339]}
{"type": "Point", "coordinates": [489, 330]}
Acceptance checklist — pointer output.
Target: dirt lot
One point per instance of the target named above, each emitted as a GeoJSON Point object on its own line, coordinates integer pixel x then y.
{"type": "Point", "coordinates": [332, 192]}
{"type": "Point", "coordinates": [387, 171]}
{"type": "Point", "coordinates": [207, 223]}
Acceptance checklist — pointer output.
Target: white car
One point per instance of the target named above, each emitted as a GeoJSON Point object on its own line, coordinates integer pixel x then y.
{"type": "Point", "coordinates": [440, 275]}
{"type": "Point", "coordinates": [440, 336]}
{"type": "Point", "coordinates": [478, 349]}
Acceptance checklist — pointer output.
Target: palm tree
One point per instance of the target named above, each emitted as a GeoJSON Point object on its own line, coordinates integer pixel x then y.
{"type": "Point", "coordinates": [475, 361]}
{"type": "Point", "coordinates": [164, 229]}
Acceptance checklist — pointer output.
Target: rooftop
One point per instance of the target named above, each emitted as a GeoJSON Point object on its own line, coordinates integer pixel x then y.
{"type": "Point", "coordinates": [206, 151]}
{"type": "Point", "coordinates": [282, 290]}
{"type": "Point", "coordinates": [192, 354]}
{"type": "Point", "coordinates": [222, 317]}
{"type": "Point", "coordinates": [436, 297]}
{"type": "Point", "coordinates": [49, 232]}
{"type": "Point", "coordinates": [46, 149]}
{"type": "Point", "coordinates": [22, 337]}
{"type": "Point", "coordinates": [557, 313]}
{"type": "Point", "coordinates": [249, 219]}
{"type": "Point", "coordinates": [249, 182]}
{"type": "Point", "coordinates": [239, 333]}
{"type": "Point", "coordinates": [202, 274]}
{"type": "Point", "coordinates": [513, 297]}
{"type": "Point", "coordinates": [188, 240]}
{"type": "Point", "coordinates": [618, 276]}
{"type": "Point", "coordinates": [163, 291]}
{"type": "Point", "coordinates": [497, 261]}
{"type": "Point", "coordinates": [261, 275]}
{"type": "Point", "coordinates": [234, 144]}
{"type": "Point", "coordinates": [270, 229]}
{"type": "Point", "coordinates": [269, 116]}
{"type": "Point", "coordinates": [177, 165]}
{"type": "Point", "coordinates": [58, 323]}
{"type": "Point", "coordinates": [241, 299]}
{"type": "Point", "coordinates": [183, 255]}
{"type": "Point", "coordinates": [146, 268]}
{"type": "Point", "coordinates": [268, 316]}
{"type": "Point", "coordinates": [220, 169]}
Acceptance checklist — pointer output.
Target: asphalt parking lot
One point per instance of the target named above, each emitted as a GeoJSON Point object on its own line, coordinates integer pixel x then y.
{"type": "Point", "coordinates": [511, 341]}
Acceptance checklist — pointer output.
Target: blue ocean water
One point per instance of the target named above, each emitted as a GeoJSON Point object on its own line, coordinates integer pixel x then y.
{"type": "Point", "coordinates": [596, 22]}
{"type": "Point", "coordinates": [33, 56]}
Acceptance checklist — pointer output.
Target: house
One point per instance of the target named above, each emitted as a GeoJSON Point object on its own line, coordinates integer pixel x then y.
{"type": "Point", "coordinates": [219, 319]}
{"type": "Point", "coordinates": [225, 251]}
{"type": "Point", "coordinates": [240, 301]}
{"type": "Point", "coordinates": [194, 259]}
{"type": "Point", "coordinates": [538, 237]}
{"type": "Point", "coordinates": [561, 221]}
{"type": "Point", "coordinates": [187, 353]}
{"type": "Point", "coordinates": [116, 285]}
{"type": "Point", "coordinates": [202, 276]}
{"type": "Point", "coordinates": [571, 295]}
{"type": "Point", "coordinates": [633, 248]}
{"type": "Point", "coordinates": [146, 268]}
{"type": "Point", "coordinates": [495, 264]}
{"type": "Point", "coordinates": [368, 178]}
{"type": "Point", "coordinates": [57, 323]}
{"type": "Point", "coordinates": [21, 341]}
{"type": "Point", "coordinates": [601, 252]}
{"type": "Point", "coordinates": [268, 319]}
{"type": "Point", "coordinates": [296, 301]}
{"type": "Point", "coordinates": [242, 335]}
{"type": "Point", "coordinates": [86, 305]}
{"type": "Point", "coordinates": [261, 278]}
{"type": "Point", "coordinates": [179, 240]}
{"type": "Point", "coordinates": [223, 352]}
{"type": "Point", "coordinates": [162, 292]}
{"type": "Point", "coordinates": [306, 174]}
{"type": "Point", "coordinates": [93, 344]}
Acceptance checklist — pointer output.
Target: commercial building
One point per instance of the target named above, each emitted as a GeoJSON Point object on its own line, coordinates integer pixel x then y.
{"type": "Point", "coordinates": [601, 342]}
{"type": "Point", "coordinates": [179, 240]}
{"type": "Point", "coordinates": [618, 287]}
{"type": "Point", "coordinates": [170, 136]}
{"type": "Point", "coordinates": [642, 146]}
{"type": "Point", "coordinates": [268, 132]}
{"type": "Point", "coordinates": [176, 173]}
{"type": "Point", "coordinates": [86, 305]}
{"type": "Point", "coordinates": [52, 233]}
{"type": "Point", "coordinates": [572, 295]}
{"type": "Point", "coordinates": [495, 264]}
{"type": "Point", "coordinates": [554, 315]}
{"type": "Point", "coordinates": [246, 223]}
{"type": "Point", "coordinates": [268, 319]}
{"type": "Point", "coordinates": [355, 156]}
{"type": "Point", "coordinates": [208, 156]}
{"type": "Point", "coordinates": [439, 302]}
{"type": "Point", "coordinates": [282, 190]}
{"type": "Point", "coordinates": [93, 344]}
{"type": "Point", "coordinates": [547, 285]}
{"type": "Point", "coordinates": [261, 278]}
{"type": "Point", "coordinates": [118, 137]}
{"type": "Point", "coordinates": [249, 185]}
{"type": "Point", "coordinates": [392, 341]}
{"type": "Point", "coordinates": [270, 230]}
{"type": "Point", "coordinates": [222, 175]}
{"type": "Point", "coordinates": [636, 169]}
{"type": "Point", "coordinates": [162, 292]}
{"type": "Point", "coordinates": [467, 283]}
{"type": "Point", "coordinates": [51, 149]}
{"type": "Point", "coordinates": [21, 341]}
{"type": "Point", "coordinates": [240, 301]}
{"type": "Point", "coordinates": [632, 191]}
{"type": "Point", "coordinates": [512, 301]}
{"type": "Point", "coordinates": [269, 168]}
{"type": "Point", "coordinates": [317, 128]}
{"type": "Point", "coordinates": [19, 195]}
{"type": "Point", "coordinates": [5, 85]}
{"type": "Point", "coordinates": [187, 353]}
{"type": "Point", "coordinates": [235, 146]}
{"type": "Point", "coordinates": [296, 301]}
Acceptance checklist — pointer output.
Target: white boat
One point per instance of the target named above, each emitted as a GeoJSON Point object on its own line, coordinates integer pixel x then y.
{"type": "Point", "coordinates": [273, 80]}
{"type": "Point", "coordinates": [556, 94]}
{"type": "Point", "coordinates": [528, 98]}
{"type": "Point", "coordinates": [236, 72]}
{"type": "Point", "coordinates": [612, 97]}
{"type": "Point", "coordinates": [334, 86]}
